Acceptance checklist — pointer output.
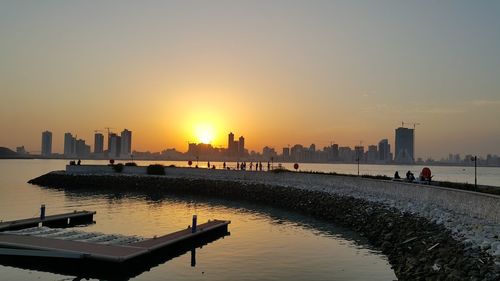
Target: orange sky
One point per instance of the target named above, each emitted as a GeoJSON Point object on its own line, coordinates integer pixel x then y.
{"type": "Point", "coordinates": [277, 73]}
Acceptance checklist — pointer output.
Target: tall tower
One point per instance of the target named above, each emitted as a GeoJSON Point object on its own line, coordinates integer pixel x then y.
{"type": "Point", "coordinates": [384, 151]}
{"type": "Point", "coordinates": [69, 144]}
{"type": "Point", "coordinates": [46, 143]}
{"type": "Point", "coordinates": [98, 143]}
{"type": "Point", "coordinates": [405, 146]}
{"type": "Point", "coordinates": [241, 146]}
{"type": "Point", "coordinates": [231, 148]}
{"type": "Point", "coordinates": [126, 143]}
{"type": "Point", "coordinates": [114, 145]}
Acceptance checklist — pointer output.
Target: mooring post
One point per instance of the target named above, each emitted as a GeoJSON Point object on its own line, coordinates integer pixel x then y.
{"type": "Point", "coordinates": [42, 212]}
{"type": "Point", "coordinates": [193, 228]}
{"type": "Point", "coordinates": [193, 257]}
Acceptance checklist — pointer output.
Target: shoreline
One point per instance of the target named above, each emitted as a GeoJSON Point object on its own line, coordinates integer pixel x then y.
{"type": "Point", "coordinates": [417, 247]}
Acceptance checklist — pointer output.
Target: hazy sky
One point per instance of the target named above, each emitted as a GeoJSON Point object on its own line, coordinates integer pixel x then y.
{"type": "Point", "coordinates": [277, 72]}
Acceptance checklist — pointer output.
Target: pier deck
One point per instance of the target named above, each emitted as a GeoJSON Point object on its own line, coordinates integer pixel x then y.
{"type": "Point", "coordinates": [22, 245]}
{"type": "Point", "coordinates": [60, 220]}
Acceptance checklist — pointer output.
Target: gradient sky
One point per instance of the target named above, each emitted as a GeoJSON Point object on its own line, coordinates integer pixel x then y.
{"type": "Point", "coordinates": [277, 72]}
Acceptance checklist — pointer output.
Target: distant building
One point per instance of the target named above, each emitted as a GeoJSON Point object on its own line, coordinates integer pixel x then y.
{"type": "Point", "coordinates": [286, 153]}
{"type": "Point", "coordinates": [82, 149]}
{"type": "Point", "coordinates": [69, 145]}
{"type": "Point", "coordinates": [114, 145]}
{"type": "Point", "coordinates": [297, 153]}
{"type": "Point", "coordinates": [236, 148]}
{"type": "Point", "coordinates": [359, 152]}
{"type": "Point", "coordinates": [232, 146]}
{"type": "Point", "coordinates": [21, 150]}
{"type": "Point", "coordinates": [346, 154]}
{"type": "Point", "coordinates": [202, 150]}
{"type": "Point", "coordinates": [405, 146]}
{"type": "Point", "coordinates": [241, 147]}
{"type": "Point", "coordinates": [384, 151]}
{"type": "Point", "coordinates": [372, 154]}
{"type": "Point", "coordinates": [98, 143]}
{"type": "Point", "coordinates": [268, 152]}
{"type": "Point", "coordinates": [335, 152]}
{"type": "Point", "coordinates": [46, 143]}
{"type": "Point", "coordinates": [126, 143]}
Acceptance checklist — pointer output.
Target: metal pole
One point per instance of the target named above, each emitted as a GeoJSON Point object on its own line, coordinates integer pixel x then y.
{"type": "Point", "coordinates": [193, 227]}
{"type": "Point", "coordinates": [42, 212]}
{"type": "Point", "coordinates": [193, 257]}
{"type": "Point", "coordinates": [358, 164]}
{"type": "Point", "coordinates": [475, 172]}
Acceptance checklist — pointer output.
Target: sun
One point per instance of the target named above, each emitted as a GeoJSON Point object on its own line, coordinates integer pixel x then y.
{"type": "Point", "coordinates": [205, 133]}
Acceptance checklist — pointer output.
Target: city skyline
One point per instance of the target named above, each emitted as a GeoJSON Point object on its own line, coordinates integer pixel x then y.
{"type": "Point", "coordinates": [282, 72]}
{"type": "Point", "coordinates": [120, 147]}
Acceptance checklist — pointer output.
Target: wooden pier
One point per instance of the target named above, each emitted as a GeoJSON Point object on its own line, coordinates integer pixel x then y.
{"type": "Point", "coordinates": [32, 244]}
{"type": "Point", "coordinates": [61, 220]}
{"type": "Point", "coordinates": [25, 245]}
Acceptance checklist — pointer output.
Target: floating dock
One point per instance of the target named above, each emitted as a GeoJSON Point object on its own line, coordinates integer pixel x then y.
{"type": "Point", "coordinates": [61, 220]}
{"type": "Point", "coordinates": [45, 244]}
{"type": "Point", "coordinates": [36, 246]}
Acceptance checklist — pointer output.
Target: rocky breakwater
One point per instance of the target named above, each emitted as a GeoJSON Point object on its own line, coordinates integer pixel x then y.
{"type": "Point", "coordinates": [417, 248]}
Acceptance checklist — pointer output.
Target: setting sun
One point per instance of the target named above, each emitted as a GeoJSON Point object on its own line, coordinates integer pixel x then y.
{"type": "Point", "coordinates": [204, 133]}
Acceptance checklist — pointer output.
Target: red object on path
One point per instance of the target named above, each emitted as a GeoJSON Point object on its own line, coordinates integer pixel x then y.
{"type": "Point", "coordinates": [426, 173]}
{"type": "Point", "coordinates": [190, 163]}
{"type": "Point", "coordinates": [295, 166]}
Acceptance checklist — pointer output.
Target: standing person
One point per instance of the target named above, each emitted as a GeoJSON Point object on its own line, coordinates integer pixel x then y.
{"type": "Point", "coordinates": [208, 164]}
{"type": "Point", "coordinates": [224, 165]}
{"type": "Point", "coordinates": [268, 166]}
{"type": "Point", "coordinates": [237, 165]}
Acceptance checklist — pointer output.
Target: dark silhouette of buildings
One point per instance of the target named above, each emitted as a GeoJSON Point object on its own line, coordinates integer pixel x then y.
{"type": "Point", "coordinates": [404, 153]}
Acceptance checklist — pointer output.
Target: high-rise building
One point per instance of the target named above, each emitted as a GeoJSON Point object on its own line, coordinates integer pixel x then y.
{"type": "Point", "coordinates": [384, 151]}
{"type": "Point", "coordinates": [46, 143]}
{"type": "Point", "coordinates": [372, 153]}
{"type": "Point", "coordinates": [297, 153]}
{"type": "Point", "coordinates": [230, 140]}
{"type": "Point", "coordinates": [81, 149]}
{"type": "Point", "coordinates": [405, 145]}
{"type": "Point", "coordinates": [286, 153]}
{"type": "Point", "coordinates": [359, 151]}
{"type": "Point", "coordinates": [98, 143]}
{"type": "Point", "coordinates": [346, 154]}
{"type": "Point", "coordinates": [232, 146]}
{"type": "Point", "coordinates": [241, 146]}
{"type": "Point", "coordinates": [126, 143]}
{"type": "Point", "coordinates": [69, 145]}
{"type": "Point", "coordinates": [114, 145]}
{"type": "Point", "coordinates": [335, 151]}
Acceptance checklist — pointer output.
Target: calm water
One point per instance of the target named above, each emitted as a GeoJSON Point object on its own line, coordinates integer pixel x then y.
{"type": "Point", "coordinates": [265, 243]}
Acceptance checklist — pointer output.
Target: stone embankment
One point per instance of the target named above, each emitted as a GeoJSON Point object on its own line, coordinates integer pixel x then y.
{"type": "Point", "coordinates": [426, 233]}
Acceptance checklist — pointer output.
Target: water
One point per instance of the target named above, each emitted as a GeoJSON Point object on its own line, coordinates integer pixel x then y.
{"type": "Point", "coordinates": [265, 243]}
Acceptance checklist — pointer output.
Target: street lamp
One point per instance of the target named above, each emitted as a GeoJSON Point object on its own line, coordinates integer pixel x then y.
{"type": "Point", "coordinates": [357, 160]}
{"type": "Point", "coordinates": [475, 170]}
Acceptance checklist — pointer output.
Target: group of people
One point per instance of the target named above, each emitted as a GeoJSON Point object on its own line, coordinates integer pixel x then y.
{"type": "Point", "coordinates": [243, 166]}
{"type": "Point", "coordinates": [425, 175]}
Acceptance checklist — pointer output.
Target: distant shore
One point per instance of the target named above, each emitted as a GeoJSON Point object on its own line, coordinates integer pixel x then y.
{"type": "Point", "coordinates": [418, 238]}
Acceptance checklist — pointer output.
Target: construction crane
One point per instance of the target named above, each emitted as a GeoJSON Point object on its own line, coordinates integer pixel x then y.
{"type": "Point", "coordinates": [414, 124]}
{"type": "Point", "coordinates": [108, 129]}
